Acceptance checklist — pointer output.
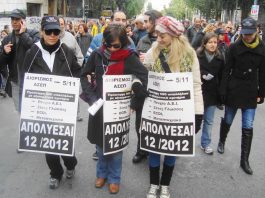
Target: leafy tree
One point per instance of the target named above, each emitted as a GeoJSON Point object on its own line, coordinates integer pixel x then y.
{"type": "Point", "coordinates": [134, 7]}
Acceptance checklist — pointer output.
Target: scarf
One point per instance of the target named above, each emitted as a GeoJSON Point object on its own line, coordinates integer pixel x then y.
{"type": "Point", "coordinates": [50, 48]}
{"type": "Point", "coordinates": [252, 45]}
{"type": "Point", "coordinates": [115, 60]}
{"type": "Point", "coordinates": [209, 57]}
{"type": "Point", "coordinates": [185, 64]}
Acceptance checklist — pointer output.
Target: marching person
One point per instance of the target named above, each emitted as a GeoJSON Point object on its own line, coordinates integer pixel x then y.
{"type": "Point", "coordinates": [14, 49]}
{"type": "Point", "coordinates": [243, 87]}
{"type": "Point", "coordinates": [143, 46]}
{"type": "Point", "coordinates": [179, 56]}
{"type": "Point", "coordinates": [112, 58]}
{"type": "Point", "coordinates": [51, 56]}
{"type": "Point", "coordinates": [211, 67]}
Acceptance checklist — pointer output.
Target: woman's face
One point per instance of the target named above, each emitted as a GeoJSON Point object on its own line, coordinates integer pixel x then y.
{"type": "Point", "coordinates": [211, 45]}
{"type": "Point", "coordinates": [81, 29]}
{"type": "Point", "coordinates": [51, 37]}
{"type": "Point", "coordinates": [164, 39]}
{"type": "Point", "coordinates": [114, 46]}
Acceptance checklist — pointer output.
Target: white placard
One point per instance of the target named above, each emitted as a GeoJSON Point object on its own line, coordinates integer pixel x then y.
{"type": "Point", "coordinates": [167, 125]}
{"type": "Point", "coordinates": [116, 112]}
{"type": "Point", "coordinates": [48, 114]}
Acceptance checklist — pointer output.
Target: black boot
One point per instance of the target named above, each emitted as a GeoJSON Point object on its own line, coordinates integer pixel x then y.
{"type": "Point", "coordinates": [166, 175]}
{"type": "Point", "coordinates": [246, 140]}
{"type": "Point", "coordinates": [224, 129]}
{"type": "Point", "coordinates": [154, 175]}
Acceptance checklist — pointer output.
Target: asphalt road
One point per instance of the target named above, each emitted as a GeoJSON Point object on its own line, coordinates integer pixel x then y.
{"type": "Point", "coordinates": [26, 175]}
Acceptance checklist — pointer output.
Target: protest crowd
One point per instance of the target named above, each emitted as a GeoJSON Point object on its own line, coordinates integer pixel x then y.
{"type": "Point", "coordinates": [226, 63]}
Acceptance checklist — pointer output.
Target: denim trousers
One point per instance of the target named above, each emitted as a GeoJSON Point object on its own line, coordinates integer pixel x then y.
{"type": "Point", "coordinates": [248, 116]}
{"type": "Point", "coordinates": [154, 160]}
{"type": "Point", "coordinates": [109, 166]}
{"type": "Point", "coordinates": [208, 118]}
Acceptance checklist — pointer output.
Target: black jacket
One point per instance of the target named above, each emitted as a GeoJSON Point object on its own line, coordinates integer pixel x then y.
{"type": "Point", "coordinates": [244, 75]}
{"type": "Point", "coordinates": [15, 58]}
{"type": "Point", "coordinates": [197, 39]}
{"type": "Point", "coordinates": [210, 88]}
{"type": "Point", "coordinates": [60, 66]}
{"type": "Point", "coordinates": [132, 65]}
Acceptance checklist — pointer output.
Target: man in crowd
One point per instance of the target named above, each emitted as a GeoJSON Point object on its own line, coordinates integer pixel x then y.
{"type": "Point", "coordinates": [143, 46]}
{"type": "Point", "coordinates": [192, 31]}
{"type": "Point", "coordinates": [14, 49]}
{"type": "Point", "coordinates": [70, 41]}
{"type": "Point", "coordinates": [140, 30]}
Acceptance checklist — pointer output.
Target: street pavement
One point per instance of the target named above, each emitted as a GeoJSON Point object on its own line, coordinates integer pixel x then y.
{"type": "Point", "coordinates": [26, 175]}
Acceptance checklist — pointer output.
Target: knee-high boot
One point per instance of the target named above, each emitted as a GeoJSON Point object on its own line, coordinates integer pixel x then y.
{"type": "Point", "coordinates": [224, 129]}
{"type": "Point", "coordinates": [246, 141]}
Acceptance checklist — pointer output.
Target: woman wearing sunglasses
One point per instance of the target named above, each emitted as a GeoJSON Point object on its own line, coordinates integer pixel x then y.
{"type": "Point", "coordinates": [112, 58]}
{"type": "Point", "coordinates": [50, 56]}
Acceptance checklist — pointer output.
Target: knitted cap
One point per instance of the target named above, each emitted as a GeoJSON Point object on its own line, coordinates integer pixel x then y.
{"type": "Point", "coordinates": [167, 24]}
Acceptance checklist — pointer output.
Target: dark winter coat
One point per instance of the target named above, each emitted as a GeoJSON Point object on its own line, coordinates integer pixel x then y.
{"type": "Point", "coordinates": [132, 65]}
{"type": "Point", "coordinates": [197, 40]}
{"type": "Point", "coordinates": [145, 44]}
{"type": "Point", "coordinates": [191, 33]}
{"type": "Point", "coordinates": [15, 58]}
{"type": "Point", "coordinates": [223, 48]}
{"type": "Point", "coordinates": [60, 66]}
{"type": "Point", "coordinates": [244, 75]}
{"type": "Point", "coordinates": [210, 88]}
{"type": "Point", "coordinates": [84, 42]}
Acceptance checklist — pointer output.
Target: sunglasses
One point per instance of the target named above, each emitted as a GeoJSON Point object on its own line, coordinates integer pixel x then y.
{"type": "Point", "coordinates": [55, 32]}
{"type": "Point", "coordinates": [116, 46]}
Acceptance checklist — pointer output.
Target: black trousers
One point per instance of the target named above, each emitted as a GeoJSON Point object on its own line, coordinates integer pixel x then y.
{"type": "Point", "coordinates": [55, 166]}
{"type": "Point", "coordinates": [138, 118]}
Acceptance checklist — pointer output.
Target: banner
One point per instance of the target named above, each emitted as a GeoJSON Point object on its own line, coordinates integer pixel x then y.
{"type": "Point", "coordinates": [167, 125]}
{"type": "Point", "coordinates": [48, 114]}
{"type": "Point", "coordinates": [116, 112]}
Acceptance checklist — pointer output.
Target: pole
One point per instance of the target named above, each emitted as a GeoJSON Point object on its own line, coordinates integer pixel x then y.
{"type": "Point", "coordinates": [83, 9]}
{"type": "Point", "coordinates": [255, 2]}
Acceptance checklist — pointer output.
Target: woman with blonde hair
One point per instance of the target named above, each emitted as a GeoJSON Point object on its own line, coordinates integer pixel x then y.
{"type": "Point", "coordinates": [171, 53]}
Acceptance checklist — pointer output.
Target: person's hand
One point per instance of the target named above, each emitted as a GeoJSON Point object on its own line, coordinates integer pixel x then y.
{"type": "Point", "coordinates": [23, 26]}
{"type": "Point", "coordinates": [139, 90]}
{"type": "Point", "coordinates": [141, 56]}
{"type": "Point", "coordinates": [260, 100]}
{"type": "Point", "coordinates": [8, 48]}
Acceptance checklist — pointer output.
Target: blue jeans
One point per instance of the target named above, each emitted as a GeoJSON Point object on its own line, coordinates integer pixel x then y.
{"type": "Point", "coordinates": [248, 116]}
{"type": "Point", "coordinates": [154, 160]}
{"type": "Point", "coordinates": [207, 125]}
{"type": "Point", "coordinates": [109, 166]}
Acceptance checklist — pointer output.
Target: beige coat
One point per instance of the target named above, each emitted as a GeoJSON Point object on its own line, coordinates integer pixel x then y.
{"type": "Point", "coordinates": [149, 62]}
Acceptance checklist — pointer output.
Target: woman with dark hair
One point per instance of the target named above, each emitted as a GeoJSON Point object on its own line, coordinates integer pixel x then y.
{"type": "Point", "coordinates": [211, 66]}
{"type": "Point", "coordinates": [112, 58]}
{"type": "Point", "coordinates": [83, 38]}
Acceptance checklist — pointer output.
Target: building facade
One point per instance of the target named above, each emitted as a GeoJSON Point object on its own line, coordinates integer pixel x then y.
{"type": "Point", "coordinates": [39, 8]}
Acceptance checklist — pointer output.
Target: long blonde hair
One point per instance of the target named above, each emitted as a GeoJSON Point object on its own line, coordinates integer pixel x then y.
{"type": "Point", "coordinates": [179, 50]}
